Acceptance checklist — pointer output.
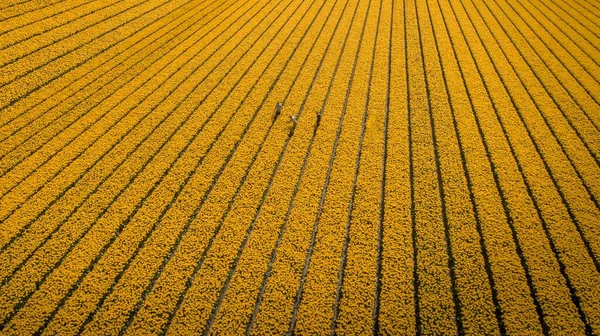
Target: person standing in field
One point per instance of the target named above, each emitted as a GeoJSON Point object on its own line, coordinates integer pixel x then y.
{"type": "Point", "coordinates": [319, 115]}
{"type": "Point", "coordinates": [278, 109]}
{"type": "Point", "coordinates": [294, 123]}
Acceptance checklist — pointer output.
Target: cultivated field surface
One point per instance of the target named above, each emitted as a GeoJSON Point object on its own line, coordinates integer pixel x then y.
{"type": "Point", "coordinates": [435, 168]}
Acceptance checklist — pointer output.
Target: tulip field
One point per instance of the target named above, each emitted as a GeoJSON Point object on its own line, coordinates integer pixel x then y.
{"type": "Point", "coordinates": [435, 168]}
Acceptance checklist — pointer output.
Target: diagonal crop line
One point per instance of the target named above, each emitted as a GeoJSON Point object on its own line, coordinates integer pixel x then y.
{"type": "Point", "coordinates": [583, 13]}
{"type": "Point", "coordinates": [574, 297]}
{"type": "Point", "coordinates": [79, 281]}
{"type": "Point", "coordinates": [593, 45]}
{"type": "Point", "coordinates": [24, 300]}
{"type": "Point", "coordinates": [90, 268]}
{"type": "Point", "coordinates": [117, 42]}
{"type": "Point", "coordinates": [4, 281]}
{"type": "Point", "coordinates": [441, 193]}
{"type": "Point", "coordinates": [14, 4]}
{"type": "Point", "coordinates": [191, 279]}
{"type": "Point", "coordinates": [184, 231]}
{"type": "Point", "coordinates": [82, 100]}
{"type": "Point", "coordinates": [571, 16]}
{"type": "Point", "coordinates": [589, 3]}
{"type": "Point", "coordinates": [547, 167]}
{"type": "Point", "coordinates": [411, 174]}
{"type": "Point", "coordinates": [89, 126]}
{"type": "Point", "coordinates": [380, 229]}
{"type": "Point", "coordinates": [19, 14]}
{"type": "Point", "coordinates": [241, 249]}
{"type": "Point", "coordinates": [151, 145]}
{"type": "Point", "coordinates": [551, 71]}
{"type": "Point", "coordinates": [174, 247]}
{"type": "Point", "coordinates": [45, 18]}
{"type": "Point", "coordinates": [83, 88]}
{"type": "Point", "coordinates": [73, 183]}
{"type": "Point", "coordinates": [92, 265]}
{"type": "Point", "coordinates": [475, 209]}
{"type": "Point", "coordinates": [15, 42]}
{"type": "Point", "coordinates": [344, 255]}
{"type": "Point", "coordinates": [93, 123]}
{"type": "Point", "coordinates": [571, 125]}
{"type": "Point", "coordinates": [131, 152]}
{"type": "Point", "coordinates": [230, 203]}
{"type": "Point", "coordinates": [58, 75]}
{"type": "Point", "coordinates": [556, 40]}
{"type": "Point", "coordinates": [505, 205]}
{"type": "Point", "coordinates": [510, 220]}
{"type": "Point", "coordinates": [267, 274]}
{"type": "Point", "coordinates": [250, 229]}
{"type": "Point", "coordinates": [64, 38]}
{"type": "Point", "coordinates": [557, 58]}
{"type": "Point", "coordinates": [298, 298]}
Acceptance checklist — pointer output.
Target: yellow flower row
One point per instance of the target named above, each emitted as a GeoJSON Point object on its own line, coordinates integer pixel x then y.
{"type": "Point", "coordinates": [548, 284]}
{"type": "Point", "coordinates": [435, 303]}
{"type": "Point", "coordinates": [477, 311]}
{"type": "Point", "coordinates": [99, 129]}
{"type": "Point", "coordinates": [88, 119]}
{"type": "Point", "coordinates": [567, 70]}
{"type": "Point", "coordinates": [169, 291]}
{"type": "Point", "coordinates": [360, 262]}
{"type": "Point", "coordinates": [23, 56]}
{"type": "Point", "coordinates": [567, 47]}
{"type": "Point", "coordinates": [397, 314]}
{"type": "Point", "coordinates": [280, 292]}
{"type": "Point", "coordinates": [192, 123]}
{"type": "Point", "coordinates": [215, 269]}
{"type": "Point", "coordinates": [550, 49]}
{"type": "Point", "coordinates": [561, 229]}
{"type": "Point", "coordinates": [559, 28]}
{"type": "Point", "coordinates": [55, 21]}
{"type": "Point", "coordinates": [555, 117]}
{"type": "Point", "coordinates": [174, 202]}
{"type": "Point", "coordinates": [518, 311]}
{"type": "Point", "coordinates": [59, 97]}
{"type": "Point", "coordinates": [51, 252]}
{"type": "Point", "coordinates": [16, 8]}
{"type": "Point", "coordinates": [43, 92]}
{"type": "Point", "coordinates": [239, 301]}
{"type": "Point", "coordinates": [20, 152]}
{"type": "Point", "coordinates": [167, 230]}
{"type": "Point", "coordinates": [561, 168]}
{"type": "Point", "coordinates": [33, 69]}
{"type": "Point", "coordinates": [571, 15]}
{"type": "Point", "coordinates": [192, 245]}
